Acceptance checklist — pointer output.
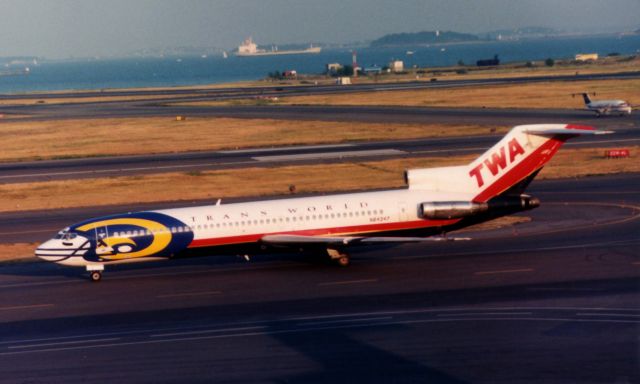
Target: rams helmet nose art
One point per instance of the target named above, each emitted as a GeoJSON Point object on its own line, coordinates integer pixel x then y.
{"type": "Point", "coordinates": [134, 235]}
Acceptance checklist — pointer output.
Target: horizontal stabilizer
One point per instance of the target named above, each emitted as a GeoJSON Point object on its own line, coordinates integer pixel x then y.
{"type": "Point", "coordinates": [579, 130]}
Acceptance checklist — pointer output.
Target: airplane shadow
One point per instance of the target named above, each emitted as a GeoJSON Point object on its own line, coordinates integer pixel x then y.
{"type": "Point", "coordinates": [343, 359]}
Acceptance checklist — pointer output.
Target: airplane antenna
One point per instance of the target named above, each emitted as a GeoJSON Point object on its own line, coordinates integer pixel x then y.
{"type": "Point", "coordinates": [218, 202]}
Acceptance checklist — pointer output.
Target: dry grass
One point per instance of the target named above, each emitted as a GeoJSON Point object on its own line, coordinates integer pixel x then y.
{"type": "Point", "coordinates": [530, 95]}
{"type": "Point", "coordinates": [260, 182]}
{"type": "Point", "coordinates": [110, 137]}
{"type": "Point", "coordinates": [17, 251]}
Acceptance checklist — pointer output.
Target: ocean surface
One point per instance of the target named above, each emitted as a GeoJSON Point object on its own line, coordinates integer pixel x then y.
{"type": "Point", "coordinates": [176, 71]}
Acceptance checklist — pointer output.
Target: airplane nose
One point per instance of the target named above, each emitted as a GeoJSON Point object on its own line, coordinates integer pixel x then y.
{"type": "Point", "coordinates": [57, 250]}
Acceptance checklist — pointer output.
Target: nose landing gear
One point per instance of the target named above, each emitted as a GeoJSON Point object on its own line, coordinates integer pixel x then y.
{"type": "Point", "coordinates": [95, 272]}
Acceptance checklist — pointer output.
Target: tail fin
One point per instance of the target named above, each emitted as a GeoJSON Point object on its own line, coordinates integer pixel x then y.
{"type": "Point", "coordinates": [587, 99]}
{"type": "Point", "coordinates": [521, 153]}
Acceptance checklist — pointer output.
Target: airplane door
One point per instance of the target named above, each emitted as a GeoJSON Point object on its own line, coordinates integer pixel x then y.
{"type": "Point", "coordinates": [402, 211]}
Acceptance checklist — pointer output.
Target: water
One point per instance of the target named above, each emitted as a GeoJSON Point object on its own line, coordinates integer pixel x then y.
{"type": "Point", "coordinates": [153, 72]}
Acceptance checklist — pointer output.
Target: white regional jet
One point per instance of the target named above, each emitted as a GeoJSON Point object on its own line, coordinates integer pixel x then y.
{"type": "Point", "coordinates": [607, 107]}
{"type": "Point", "coordinates": [437, 200]}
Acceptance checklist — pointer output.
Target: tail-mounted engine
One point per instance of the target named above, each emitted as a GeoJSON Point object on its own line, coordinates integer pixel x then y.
{"type": "Point", "coordinates": [444, 210]}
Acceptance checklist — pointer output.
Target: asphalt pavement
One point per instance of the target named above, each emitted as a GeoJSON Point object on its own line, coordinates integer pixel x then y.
{"type": "Point", "coordinates": [554, 300]}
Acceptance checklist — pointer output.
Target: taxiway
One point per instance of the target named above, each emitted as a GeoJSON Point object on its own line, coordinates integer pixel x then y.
{"type": "Point", "coordinates": [553, 300]}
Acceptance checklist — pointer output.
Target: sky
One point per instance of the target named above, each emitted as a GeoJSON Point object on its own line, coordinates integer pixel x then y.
{"type": "Point", "coordinates": [86, 28]}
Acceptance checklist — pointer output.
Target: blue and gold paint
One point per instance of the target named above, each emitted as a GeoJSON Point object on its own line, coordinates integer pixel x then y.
{"type": "Point", "coordinates": [155, 236]}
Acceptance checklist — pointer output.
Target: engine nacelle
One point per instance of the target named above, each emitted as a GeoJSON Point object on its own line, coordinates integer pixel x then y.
{"type": "Point", "coordinates": [444, 210]}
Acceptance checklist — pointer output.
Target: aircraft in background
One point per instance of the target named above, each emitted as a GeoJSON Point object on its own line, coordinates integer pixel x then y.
{"type": "Point", "coordinates": [436, 201]}
{"type": "Point", "coordinates": [606, 107]}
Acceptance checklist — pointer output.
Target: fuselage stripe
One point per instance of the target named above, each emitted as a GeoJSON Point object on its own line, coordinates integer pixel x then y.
{"type": "Point", "coordinates": [333, 231]}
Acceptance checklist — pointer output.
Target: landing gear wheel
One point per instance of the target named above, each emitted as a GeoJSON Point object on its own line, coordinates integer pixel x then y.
{"type": "Point", "coordinates": [339, 257]}
{"type": "Point", "coordinates": [343, 261]}
{"type": "Point", "coordinates": [95, 276]}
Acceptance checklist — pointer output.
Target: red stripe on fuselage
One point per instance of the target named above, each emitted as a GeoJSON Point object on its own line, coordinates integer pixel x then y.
{"type": "Point", "coordinates": [334, 231]}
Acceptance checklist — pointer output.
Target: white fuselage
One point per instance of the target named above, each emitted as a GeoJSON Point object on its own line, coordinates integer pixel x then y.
{"type": "Point", "coordinates": [240, 223]}
{"type": "Point", "coordinates": [607, 107]}
{"type": "Point", "coordinates": [344, 214]}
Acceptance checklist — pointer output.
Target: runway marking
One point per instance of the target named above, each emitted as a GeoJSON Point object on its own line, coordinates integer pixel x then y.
{"type": "Point", "coordinates": [120, 170]}
{"type": "Point", "coordinates": [564, 289]}
{"type": "Point", "coordinates": [207, 331]}
{"type": "Point", "coordinates": [609, 244]}
{"type": "Point", "coordinates": [451, 150]}
{"type": "Point", "coordinates": [61, 343]}
{"type": "Point", "coordinates": [347, 282]}
{"type": "Point", "coordinates": [504, 271]}
{"type": "Point", "coordinates": [344, 321]}
{"type": "Point", "coordinates": [600, 142]}
{"type": "Point", "coordinates": [498, 314]}
{"type": "Point", "coordinates": [19, 307]}
{"type": "Point", "coordinates": [485, 314]}
{"type": "Point", "coordinates": [330, 155]}
{"type": "Point", "coordinates": [291, 148]}
{"type": "Point", "coordinates": [186, 294]}
{"type": "Point", "coordinates": [316, 329]}
{"type": "Point", "coordinates": [607, 314]}
{"type": "Point", "coordinates": [27, 232]}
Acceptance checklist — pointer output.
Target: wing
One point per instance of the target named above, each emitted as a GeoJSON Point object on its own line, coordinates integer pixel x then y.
{"type": "Point", "coordinates": [296, 240]}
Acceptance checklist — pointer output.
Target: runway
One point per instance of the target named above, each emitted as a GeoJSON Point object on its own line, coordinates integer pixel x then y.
{"type": "Point", "coordinates": [627, 130]}
{"type": "Point", "coordinates": [554, 300]}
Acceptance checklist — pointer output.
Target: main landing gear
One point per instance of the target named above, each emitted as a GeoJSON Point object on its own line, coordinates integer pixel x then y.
{"type": "Point", "coordinates": [339, 257]}
{"type": "Point", "coordinates": [95, 272]}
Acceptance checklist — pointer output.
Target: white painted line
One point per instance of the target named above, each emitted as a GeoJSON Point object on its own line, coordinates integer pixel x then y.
{"type": "Point", "coordinates": [600, 142]}
{"type": "Point", "coordinates": [344, 321]}
{"type": "Point", "coordinates": [120, 170]}
{"type": "Point", "coordinates": [186, 294]}
{"type": "Point", "coordinates": [451, 150]}
{"type": "Point", "coordinates": [346, 326]}
{"type": "Point", "coordinates": [19, 307]}
{"type": "Point", "coordinates": [206, 331]}
{"type": "Point", "coordinates": [62, 343]}
{"type": "Point", "coordinates": [330, 155]}
{"type": "Point", "coordinates": [607, 314]}
{"type": "Point", "coordinates": [484, 314]}
{"type": "Point", "coordinates": [504, 271]}
{"type": "Point", "coordinates": [348, 282]}
{"type": "Point", "coordinates": [292, 148]}
{"type": "Point", "coordinates": [27, 232]}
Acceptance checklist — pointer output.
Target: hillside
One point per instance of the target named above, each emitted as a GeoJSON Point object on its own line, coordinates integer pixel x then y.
{"type": "Point", "coordinates": [421, 38]}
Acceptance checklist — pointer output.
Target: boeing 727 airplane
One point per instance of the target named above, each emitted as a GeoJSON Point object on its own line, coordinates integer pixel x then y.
{"type": "Point", "coordinates": [436, 201]}
{"type": "Point", "coordinates": [606, 107]}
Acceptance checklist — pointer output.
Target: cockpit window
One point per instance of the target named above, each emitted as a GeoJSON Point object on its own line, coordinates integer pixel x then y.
{"type": "Point", "coordinates": [66, 235]}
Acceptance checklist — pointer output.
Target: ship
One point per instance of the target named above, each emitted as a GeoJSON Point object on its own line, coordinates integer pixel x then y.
{"type": "Point", "coordinates": [249, 48]}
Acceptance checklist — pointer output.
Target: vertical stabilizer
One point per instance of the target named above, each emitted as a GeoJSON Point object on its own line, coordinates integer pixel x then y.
{"type": "Point", "coordinates": [520, 154]}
